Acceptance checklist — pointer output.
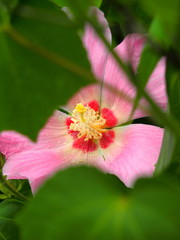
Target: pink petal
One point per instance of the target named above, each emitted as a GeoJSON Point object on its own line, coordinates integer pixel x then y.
{"type": "Point", "coordinates": [120, 108]}
{"type": "Point", "coordinates": [33, 164]}
{"type": "Point", "coordinates": [130, 51]}
{"type": "Point", "coordinates": [134, 152]}
{"type": "Point", "coordinates": [156, 85]}
{"type": "Point", "coordinates": [12, 142]}
{"type": "Point", "coordinates": [96, 50]}
{"type": "Point", "coordinates": [37, 182]}
{"type": "Point", "coordinates": [84, 96]}
{"type": "Point", "coordinates": [54, 133]}
{"type": "Point", "coordinates": [26, 159]}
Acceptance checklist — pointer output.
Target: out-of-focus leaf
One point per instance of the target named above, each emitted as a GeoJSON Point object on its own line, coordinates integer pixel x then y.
{"type": "Point", "coordinates": [10, 4]}
{"type": "Point", "coordinates": [150, 56]}
{"type": "Point", "coordinates": [158, 33]}
{"type": "Point", "coordinates": [170, 151]}
{"type": "Point", "coordinates": [167, 10]}
{"type": "Point", "coordinates": [130, 15]}
{"type": "Point", "coordinates": [4, 15]}
{"type": "Point", "coordinates": [166, 153]}
{"type": "Point", "coordinates": [6, 9]}
{"type": "Point", "coordinates": [42, 64]}
{"type": "Point", "coordinates": [8, 227]}
{"type": "Point", "coordinates": [167, 13]}
{"type": "Point", "coordinates": [9, 208]}
{"type": "Point", "coordinates": [80, 3]}
{"type": "Point", "coordinates": [98, 3]}
{"type": "Point", "coordinates": [176, 153]}
{"type": "Point", "coordinates": [173, 86]}
{"type": "Point", "coordinates": [87, 204]}
{"type": "Point", "coordinates": [78, 8]}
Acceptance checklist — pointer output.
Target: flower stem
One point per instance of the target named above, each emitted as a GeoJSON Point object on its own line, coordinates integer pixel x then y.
{"type": "Point", "coordinates": [64, 111]}
{"type": "Point", "coordinates": [9, 186]}
{"type": "Point", "coordinates": [11, 189]}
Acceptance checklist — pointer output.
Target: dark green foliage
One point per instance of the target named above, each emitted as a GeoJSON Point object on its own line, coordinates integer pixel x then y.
{"type": "Point", "coordinates": [8, 227]}
{"type": "Point", "coordinates": [82, 203]}
{"type": "Point", "coordinates": [42, 64]}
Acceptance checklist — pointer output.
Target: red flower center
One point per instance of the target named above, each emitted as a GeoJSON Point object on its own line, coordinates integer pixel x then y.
{"type": "Point", "coordinates": [89, 127]}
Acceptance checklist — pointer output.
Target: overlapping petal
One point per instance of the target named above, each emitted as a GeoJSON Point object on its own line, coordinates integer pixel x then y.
{"type": "Point", "coordinates": [121, 99]}
{"type": "Point", "coordinates": [85, 95]}
{"type": "Point", "coordinates": [96, 50]}
{"type": "Point", "coordinates": [49, 137]}
{"type": "Point", "coordinates": [37, 182]}
{"type": "Point", "coordinates": [27, 159]}
{"type": "Point", "coordinates": [32, 164]}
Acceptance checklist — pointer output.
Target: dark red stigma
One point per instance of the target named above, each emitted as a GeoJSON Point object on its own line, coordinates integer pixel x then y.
{"type": "Point", "coordinates": [107, 137]}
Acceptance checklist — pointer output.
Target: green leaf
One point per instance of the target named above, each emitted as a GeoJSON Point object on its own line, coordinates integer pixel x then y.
{"type": "Point", "coordinates": [8, 227]}
{"type": "Point", "coordinates": [42, 64]}
{"type": "Point", "coordinates": [167, 10]}
{"type": "Point", "coordinates": [157, 32]}
{"type": "Point", "coordinates": [4, 15]}
{"type": "Point", "coordinates": [170, 151]}
{"type": "Point", "coordinates": [98, 3]}
{"type": "Point", "coordinates": [6, 9]}
{"type": "Point", "coordinates": [167, 13]}
{"type": "Point", "coordinates": [82, 4]}
{"type": "Point", "coordinates": [150, 56]}
{"type": "Point", "coordinates": [166, 153]}
{"type": "Point", "coordinates": [78, 8]}
{"type": "Point", "coordinates": [82, 203]}
{"type": "Point", "coordinates": [144, 70]}
{"type": "Point", "coordinates": [173, 85]}
{"type": "Point", "coordinates": [10, 4]}
{"type": "Point", "coordinates": [9, 208]}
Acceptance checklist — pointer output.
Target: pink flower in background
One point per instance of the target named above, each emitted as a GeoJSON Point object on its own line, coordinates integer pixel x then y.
{"type": "Point", "coordinates": [92, 134]}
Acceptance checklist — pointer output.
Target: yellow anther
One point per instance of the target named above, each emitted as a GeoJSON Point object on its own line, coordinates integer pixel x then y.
{"type": "Point", "coordinates": [80, 108]}
{"type": "Point", "coordinates": [87, 122]}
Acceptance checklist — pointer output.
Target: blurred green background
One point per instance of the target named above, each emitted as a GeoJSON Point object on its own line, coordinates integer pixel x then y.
{"type": "Point", "coordinates": [82, 203]}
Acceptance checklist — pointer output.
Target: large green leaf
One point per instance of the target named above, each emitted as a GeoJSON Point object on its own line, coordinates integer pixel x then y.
{"type": "Point", "coordinates": [82, 203]}
{"type": "Point", "coordinates": [42, 64]}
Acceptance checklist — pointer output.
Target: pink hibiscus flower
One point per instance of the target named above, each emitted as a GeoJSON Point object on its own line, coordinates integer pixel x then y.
{"type": "Point", "coordinates": [93, 134]}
